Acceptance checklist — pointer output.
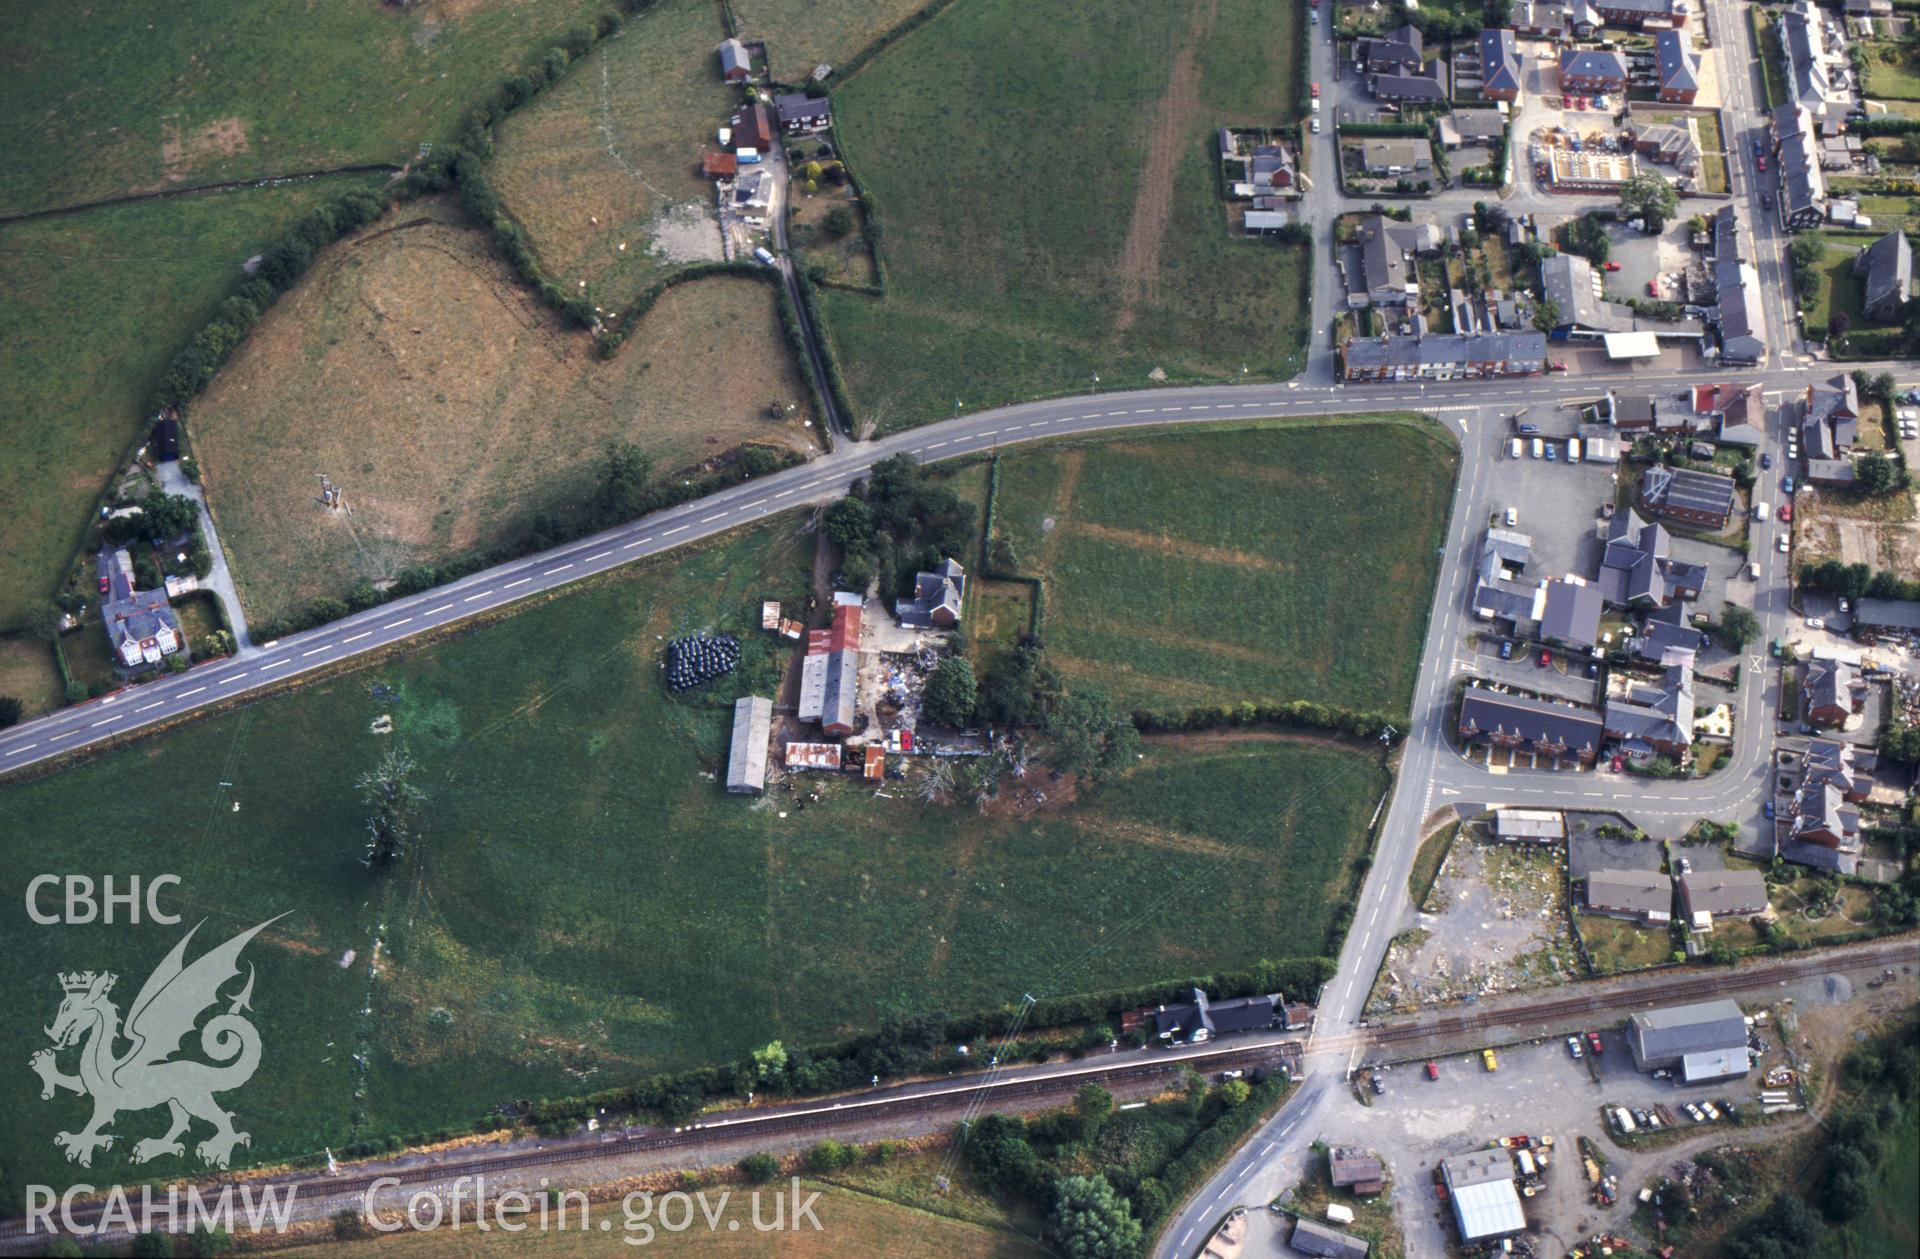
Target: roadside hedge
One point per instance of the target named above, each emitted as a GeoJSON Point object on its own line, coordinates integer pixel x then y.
{"type": "Point", "coordinates": [1299, 714]}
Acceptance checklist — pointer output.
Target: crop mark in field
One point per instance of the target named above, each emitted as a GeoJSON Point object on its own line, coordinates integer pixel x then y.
{"type": "Point", "coordinates": [1153, 199]}
{"type": "Point", "coordinates": [1180, 548]}
{"type": "Point", "coordinates": [1103, 826]}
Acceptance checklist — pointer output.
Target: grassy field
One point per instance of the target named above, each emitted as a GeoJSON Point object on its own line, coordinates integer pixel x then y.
{"type": "Point", "coordinates": [1046, 185]}
{"type": "Point", "coordinates": [584, 906]}
{"type": "Point", "coordinates": [1211, 567]}
{"type": "Point", "coordinates": [96, 305]}
{"type": "Point", "coordinates": [1892, 71]}
{"type": "Point", "coordinates": [1891, 1229]}
{"type": "Point", "coordinates": [852, 1225]}
{"type": "Point", "coordinates": [413, 369]}
{"type": "Point", "coordinates": [28, 674]}
{"type": "Point", "coordinates": [611, 155]}
{"type": "Point", "coordinates": [802, 34]}
{"type": "Point", "coordinates": [110, 99]}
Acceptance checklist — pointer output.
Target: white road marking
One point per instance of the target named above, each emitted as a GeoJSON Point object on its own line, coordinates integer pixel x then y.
{"type": "Point", "coordinates": [275, 665]}
{"type": "Point", "coordinates": [935, 446]}
{"type": "Point", "coordinates": [103, 721]}
{"type": "Point", "coordinates": [558, 568]}
{"type": "Point", "coordinates": [396, 624]}
{"type": "Point", "coordinates": [23, 747]}
{"type": "Point", "coordinates": [238, 677]}
{"type": "Point", "coordinates": [470, 598]}
{"type": "Point", "coordinates": [195, 691]}
{"type": "Point", "coordinates": [1014, 428]}
{"type": "Point", "coordinates": [1109, 415]}
{"type": "Point", "coordinates": [676, 529]}
{"type": "Point", "coordinates": [155, 704]}
{"type": "Point", "coordinates": [316, 651]}
{"type": "Point", "coordinates": [356, 638]}
{"type": "Point", "coordinates": [592, 558]}
{"type": "Point", "coordinates": [986, 432]}
{"type": "Point", "coordinates": [510, 585]}
{"type": "Point", "coordinates": [707, 520]}
{"type": "Point", "coordinates": [436, 611]}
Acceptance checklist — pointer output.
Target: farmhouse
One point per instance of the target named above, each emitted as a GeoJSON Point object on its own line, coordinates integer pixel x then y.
{"type": "Point", "coordinates": [1522, 724]}
{"type": "Point", "coordinates": [801, 114]}
{"type": "Point", "coordinates": [1592, 71]}
{"type": "Point", "coordinates": [1500, 70]}
{"type": "Point", "coordinates": [1445, 357]}
{"type": "Point", "coordinates": [1397, 155]}
{"type": "Point", "coordinates": [1704, 1041]}
{"type": "Point", "coordinates": [1655, 717]}
{"type": "Point", "coordinates": [747, 755]}
{"type": "Point", "coordinates": [1480, 1186]}
{"type": "Point", "coordinates": [1726, 893]}
{"type": "Point", "coordinates": [735, 65]}
{"type": "Point", "coordinates": [1200, 1019]}
{"type": "Point", "coordinates": [1310, 1237]}
{"type": "Point", "coordinates": [1832, 691]}
{"type": "Point", "coordinates": [1402, 52]}
{"type": "Point", "coordinates": [937, 597]}
{"type": "Point", "coordinates": [1640, 895]}
{"type": "Point", "coordinates": [141, 626]}
{"type": "Point", "coordinates": [1743, 326]}
{"type": "Point", "coordinates": [1637, 571]}
{"type": "Point", "coordinates": [1694, 498]}
{"type": "Point", "coordinates": [1885, 269]}
{"type": "Point", "coordinates": [1350, 1167]}
{"type": "Point", "coordinates": [1677, 68]}
{"type": "Point", "coordinates": [1379, 269]}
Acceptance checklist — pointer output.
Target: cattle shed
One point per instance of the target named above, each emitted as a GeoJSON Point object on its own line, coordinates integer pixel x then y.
{"type": "Point", "coordinates": [752, 731]}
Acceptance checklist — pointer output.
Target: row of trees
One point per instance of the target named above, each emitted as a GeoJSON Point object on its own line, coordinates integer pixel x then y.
{"type": "Point", "coordinates": [1857, 581]}
{"type": "Point", "coordinates": [897, 521]}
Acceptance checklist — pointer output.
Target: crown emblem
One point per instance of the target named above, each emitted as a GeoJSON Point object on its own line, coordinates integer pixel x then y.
{"type": "Point", "coordinates": [78, 981]}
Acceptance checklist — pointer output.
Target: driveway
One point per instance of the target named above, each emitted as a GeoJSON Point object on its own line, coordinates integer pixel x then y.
{"type": "Point", "coordinates": [220, 580]}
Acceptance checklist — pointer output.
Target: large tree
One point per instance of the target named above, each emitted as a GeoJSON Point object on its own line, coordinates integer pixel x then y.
{"type": "Point", "coordinates": [1092, 1221]}
{"type": "Point", "coordinates": [1650, 197]}
{"type": "Point", "coordinates": [1738, 626]}
{"type": "Point", "coordinates": [389, 789]}
{"type": "Point", "coordinates": [951, 693]}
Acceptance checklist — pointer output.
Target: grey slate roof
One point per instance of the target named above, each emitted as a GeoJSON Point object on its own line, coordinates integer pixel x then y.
{"type": "Point", "coordinates": [1685, 488]}
{"type": "Point", "coordinates": [1743, 325]}
{"type": "Point", "coordinates": [1505, 347]}
{"type": "Point", "coordinates": [1655, 713]}
{"type": "Point", "coordinates": [1887, 269]}
{"type": "Point", "coordinates": [1723, 892]}
{"type": "Point", "coordinates": [1572, 614]}
{"type": "Point", "coordinates": [1679, 64]}
{"type": "Point", "coordinates": [1499, 61]}
{"type": "Point", "coordinates": [1592, 63]}
{"type": "Point", "coordinates": [747, 757]}
{"type": "Point", "coordinates": [1539, 722]}
{"type": "Point", "coordinates": [1660, 1038]}
{"type": "Point", "coordinates": [1644, 892]}
{"type": "Point", "coordinates": [1887, 614]}
{"type": "Point", "coordinates": [1310, 1237]}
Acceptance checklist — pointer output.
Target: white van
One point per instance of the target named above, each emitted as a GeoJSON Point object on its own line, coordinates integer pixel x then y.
{"type": "Point", "coordinates": [1573, 450]}
{"type": "Point", "coordinates": [1759, 509]}
{"type": "Point", "coordinates": [1538, 448]}
{"type": "Point", "coordinates": [1513, 451]}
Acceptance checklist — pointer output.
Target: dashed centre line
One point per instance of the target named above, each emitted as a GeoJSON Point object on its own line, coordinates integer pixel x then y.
{"type": "Point", "coordinates": [558, 568]}
{"type": "Point", "coordinates": [470, 598]}
{"type": "Point", "coordinates": [510, 585]}
{"type": "Point", "coordinates": [357, 637]}
{"type": "Point", "coordinates": [396, 624]}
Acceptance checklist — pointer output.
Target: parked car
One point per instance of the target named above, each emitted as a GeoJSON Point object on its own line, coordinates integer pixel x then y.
{"type": "Point", "coordinates": [1816, 622]}
{"type": "Point", "coordinates": [1486, 1056]}
{"type": "Point", "coordinates": [1513, 516]}
{"type": "Point", "coordinates": [1683, 866]}
{"type": "Point", "coordinates": [1593, 668]}
{"type": "Point", "coordinates": [1786, 544]}
{"type": "Point", "coordinates": [1556, 366]}
{"type": "Point", "coordinates": [1315, 87]}
{"type": "Point", "coordinates": [1593, 1043]}
{"type": "Point", "coordinates": [1845, 606]}
{"type": "Point", "coordinates": [1694, 1113]}
{"type": "Point", "coordinates": [1766, 461]}
{"type": "Point", "coordinates": [1711, 1112]}
{"type": "Point", "coordinates": [1553, 452]}
{"type": "Point", "coordinates": [1761, 162]}
{"type": "Point", "coordinates": [1653, 288]}
{"type": "Point", "coordinates": [1787, 485]}
{"type": "Point", "coordinates": [106, 583]}
{"type": "Point", "coordinates": [1378, 1085]}
{"type": "Point", "coordinates": [1619, 762]}
{"type": "Point", "coordinates": [1316, 125]}
{"type": "Point", "coordinates": [1753, 571]}
{"type": "Point", "coordinates": [1506, 649]}
{"type": "Point", "coordinates": [1768, 810]}
{"type": "Point", "coordinates": [1606, 510]}
{"type": "Point", "coordinates": [1758, 148]}
{"type": "Point", "coordinates": [1546, 658]}
{"type": "Point", "coordinates": [1613, 266]}
{"type": "Point", "coordinates": [1786, 512]}
{"type": "Point", "coordinates": [1573, 1048]}
{"type": "Point", "coordinates": [1433, 1070]}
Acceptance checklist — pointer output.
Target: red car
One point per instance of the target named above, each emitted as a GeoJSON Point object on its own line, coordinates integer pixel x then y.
{"type": "Point", "coordinates": [105, 583]}
{"type": "Point", "coordinates": [1556, 366]}
{"type": "Point", "coordinates": [1613, 266]}
{"type": "Point", "coordinates": [1619, 763]}
{"type": "Point", "coordinates": [1593, 1043]}
{"type": "Point", "coordinates": [1433, 1070]}
{"type": "Point", "coordinates": [1786, 512]}
{"type": "Point", "coordinates": [1653, 288]}
{"type": "Point", "coordinates": [1546, 658]}
{"type": "Point", "coordinates": [1761, 162]}
{"type": "Point", "coordinates": [1316, 89]}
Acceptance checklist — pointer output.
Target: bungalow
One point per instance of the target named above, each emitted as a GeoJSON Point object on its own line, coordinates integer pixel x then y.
{"type": "Point", "coordinates": [1399, 155]}
{"type": "Point", "coordinates": [1655, 718]}
{"type": "Point", "coordinates": [1479, 127]}
{"type": "Point", "coordinates": [1502, 721]}
{"type": "Point", "coordinates": [1428, 86]}
{"type": "Point", "coordinates": [937, 597]}
{"type": "Point", "coordinates": [1725, 893]}
{"type": "Point", "coordinates": [1886, 272]}
{"type": "Point", "coordinates": [801, 114]}
{"type": "Point", "coordinates": [1592, 71]}
{"type": "Point", "coordinates": [1831, 692]}
{"type": "Point", "coordinates": [1444, 357]}
{"type": "Point", "coordinates": [1402, 52]}
{"type": "Point", "coordinates": [735, 65]}
{"type": "Point", "coordinates": [1500, 69]}
{"type": "Point", "coordinates": [1678, 68]}
{"type": "Point", "coordinates": [1640, 895]}
{"type": "Point", "coordinates": [1702, 499]}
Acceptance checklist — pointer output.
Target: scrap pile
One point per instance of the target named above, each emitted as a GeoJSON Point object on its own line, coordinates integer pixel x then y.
{"type": "Point", "coordinates": [700, 658]}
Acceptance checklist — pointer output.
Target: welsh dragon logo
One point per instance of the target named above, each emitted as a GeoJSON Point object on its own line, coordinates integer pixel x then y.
{"type": "Point", "coordinates": [146, 1074]}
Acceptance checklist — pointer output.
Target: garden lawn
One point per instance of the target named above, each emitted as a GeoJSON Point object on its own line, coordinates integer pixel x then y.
{"type": "Point", "coordinates": [1045, 180]}
{"type": "Point", "coordinates": [1891, 70]}
{"type": "Point", "coordinates": [1616, 945]}
{"type": "Point", "coordinates": [96, 305]}
{"type": "Point", "coordinates": [109, 99]}
{"type": "Point", "coordinates": [1291, 561]}
{"type": "Point", "coordinates": [584, 906]}
{"type": "Point", "coordinates": [1839, 288]}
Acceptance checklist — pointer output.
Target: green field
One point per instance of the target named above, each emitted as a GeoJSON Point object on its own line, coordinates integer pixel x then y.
{"type": "Point", "coordinates": [1045, 182]}
{"type": "Point", "coordinates": [585, 906]}
{"type": "Point", "coordinates": [1839, 289]}
{"type": "Point", "coordinates": [96, 305]}
{"type": "Point", "coordinates": [111, 99]}
{"type": "Point", "coordinates": [1892, 71]}
{"type": "Point", "coordinates": [1287, 562]}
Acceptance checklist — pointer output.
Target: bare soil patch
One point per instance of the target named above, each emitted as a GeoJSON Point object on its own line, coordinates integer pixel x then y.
{"type": "Point", "coordinates": [181, 152]}
{"type": "Point", "coordinates": [412, 369]}
{"type": "Point", "coordinates": [1153, 200]}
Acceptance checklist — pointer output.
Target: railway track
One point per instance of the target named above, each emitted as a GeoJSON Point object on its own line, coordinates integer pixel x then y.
{"type": "Point", "coordinates": [911, 1101]}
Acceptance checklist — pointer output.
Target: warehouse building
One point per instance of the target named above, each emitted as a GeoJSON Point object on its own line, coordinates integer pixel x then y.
{"type": "Point", "coordinates": [1486, 1206]}
{"type": "Point", "coordinates": [1700, 1042]}
{"type": "Point", "coordinates": [747, 758]}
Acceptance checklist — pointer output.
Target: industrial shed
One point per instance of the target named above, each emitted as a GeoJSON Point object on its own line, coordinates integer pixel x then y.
{"type": "Point", "coordinates": [1703, 1041]}
{"type": "Point", "coordinates": [752, 730]}
{"type": "Point", "coordinates": [1485, 1203]}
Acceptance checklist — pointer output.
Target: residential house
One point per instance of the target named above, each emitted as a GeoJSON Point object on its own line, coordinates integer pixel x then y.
{"type": "Point", "coordinates": [1395, 155]}
{"type": "Point", "coordinates": [1707, 894]}
{"type": "Point", "coordinates": [1640, 895]}
{"type": "Point", "coordinates": [1271, 166]}
{"type": "Point", "coordinates": [1670, 144]}
{"type": "Point", "coordinates": [1428, 86]}
{"type": "Point", "coordinates": [1571, 614]}
{"type": "Point", "coordinates": [1874, 619]}
{"type": "Point", "coordinates": [1830, 419]}
{"type": "Point", "coordinates": [1310, 1237]}
{"type": "Point", "coordinates": [752, 190]}
{"type": "Point", "coordinates": [166, 438]}
{"type": "Point", "coordinates": [1592, 72]}
{"type": "Point", "coordinates": [1668, 642]}
{"type": "Point", "coordinates": [1885, 269]}
{"type": "Point", "coordinates": [937, 597]}
{"type": "Point", "coordinates": [1379, 267]}
{"type": "Point", "coordinates": [1350, 1167]}
{"type": "Point", "coordinates": [1677, 73]}
{"type": "Point", "coordinates": [1629, 412]}
{"type": "Point", "coordinates": [1402, 52]}
{"type": "Point", "coordinates": [1802, 166]}
{"type": "Point", "coordinates": [1498, 591]}
{"type": "Point", "coordinates": [1636, 569]}
{"type": "Point", "coordinates": [1828, 824]}
{"type": "Point", "coordinates": [1638, 14]}
{"type": "Point", "coordinates": [747, 754]}
{"type": "Point", "coordinates": [1831, 691]}
{"type": "Point", "coordinates": [1444, 357]}
{"type": "Point", "coordinates": [1701, 499]}
{"type": "Point", "coordinates": [1739, 415]}
{"type": "Point", "coordinates": [830, 671]}
{"type": "Point", "coordinates": [1655, 719]}
{"type": "Point", "coordinates": [1200, 1019]}
{"type": "Point", "coordinates": [1840, 765]}
{"type": "Point", "coordinates": [1505, 722]}
{"type": "Point", "coordinates": [1543, 19]}
{"type": "Point", "coordinates": [1500, 69]}
{"type": "Point", "coordinates": [735, 65]}
{"type": "Point", "coordinates": [1700, 1042]}
{"type": "Point", "coordinates": [801, 114]}
{"type": "Point", "coordinates": [1739, 311]}
{"type": "Point", "coordinates": [753, 128]}
{"type": "Point", "coordinates": [1486, 1206]}
{"type": "Point", "coordinates": [142, 628]}
{"type": "Point", "coordinates": [1816, 69]}
{"type": "Point", "coordinates": [1478, 127]}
